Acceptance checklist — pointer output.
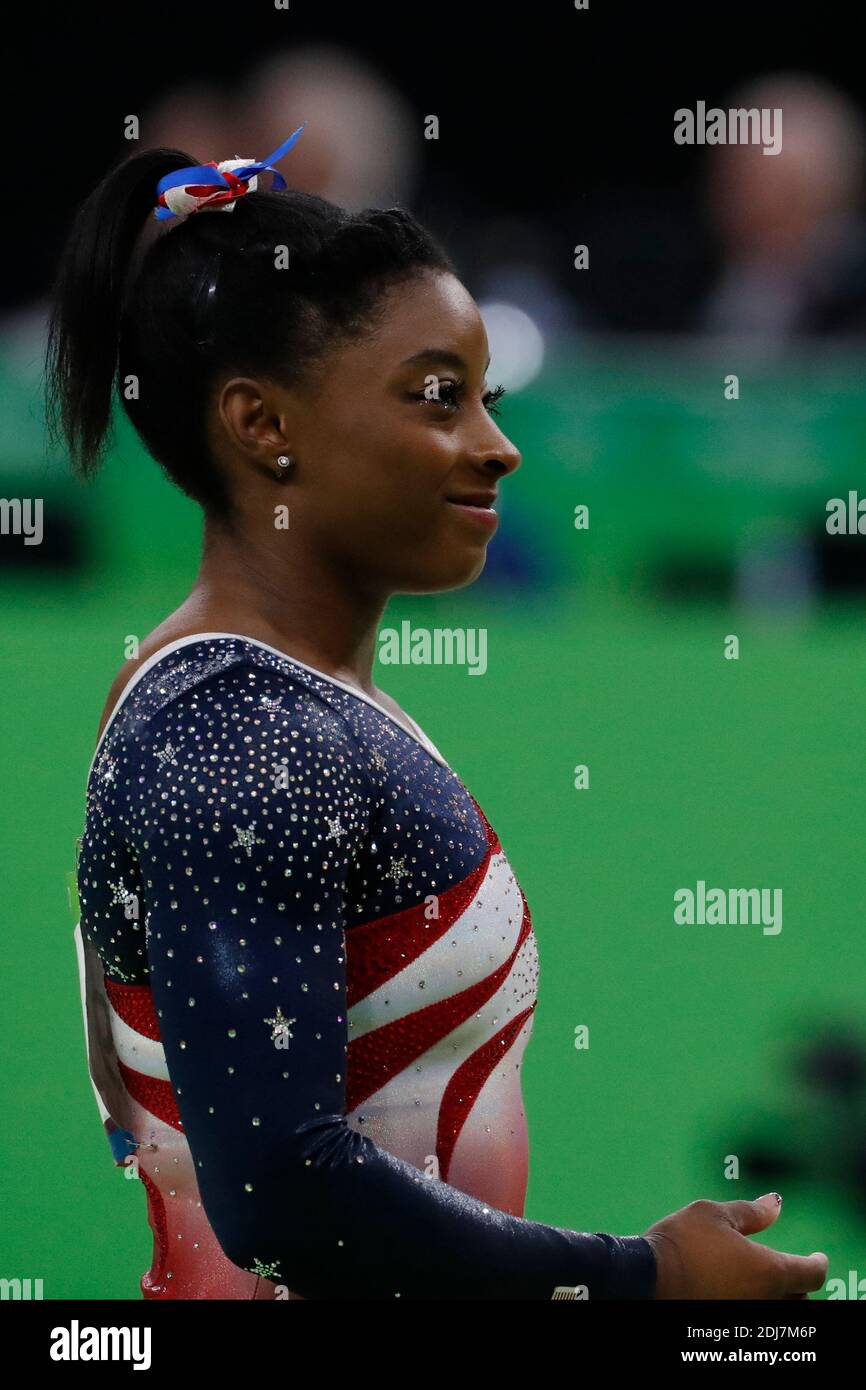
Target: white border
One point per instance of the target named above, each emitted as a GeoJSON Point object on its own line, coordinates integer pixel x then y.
{"type": "Point", "coordinates": [420, 736]}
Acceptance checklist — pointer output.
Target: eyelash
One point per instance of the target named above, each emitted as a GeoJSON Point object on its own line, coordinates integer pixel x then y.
{"type": "Point", "coordinates": [490, 398]}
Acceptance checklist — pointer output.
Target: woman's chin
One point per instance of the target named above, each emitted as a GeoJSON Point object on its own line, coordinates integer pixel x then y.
{"type": "Point", "coordinates": [462, 569]}
{"type": "Point", "coordinates": [465, 569]}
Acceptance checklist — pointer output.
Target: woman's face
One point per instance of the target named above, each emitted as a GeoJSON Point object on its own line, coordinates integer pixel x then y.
{"type": "Point", "coordinates": [387, 431]}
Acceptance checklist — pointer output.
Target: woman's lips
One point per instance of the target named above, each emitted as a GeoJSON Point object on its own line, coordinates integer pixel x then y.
{"type": "Point", "coordinates": [480, 516]}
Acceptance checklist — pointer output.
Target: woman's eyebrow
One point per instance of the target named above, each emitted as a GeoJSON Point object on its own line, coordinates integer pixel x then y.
{"type": "Point", "coordinates": [432, 354]}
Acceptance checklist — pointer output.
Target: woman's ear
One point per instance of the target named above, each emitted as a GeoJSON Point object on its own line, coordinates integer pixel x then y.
{"type": "Point", "coordinates": [253, 419]}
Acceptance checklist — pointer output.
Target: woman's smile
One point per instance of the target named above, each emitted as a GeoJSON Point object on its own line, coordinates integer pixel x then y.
{"type": "Point", "coordinates": [482, 517]}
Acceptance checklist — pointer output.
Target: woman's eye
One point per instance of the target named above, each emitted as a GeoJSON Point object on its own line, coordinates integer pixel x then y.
{"type": "Point", "coordinates": [443, 393]}
{"type": "Point", "coordinates": [447, 394]}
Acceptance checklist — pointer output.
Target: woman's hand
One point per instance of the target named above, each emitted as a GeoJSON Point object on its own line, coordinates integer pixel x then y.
{"type": "Point", "coordinates": [702, 1252]}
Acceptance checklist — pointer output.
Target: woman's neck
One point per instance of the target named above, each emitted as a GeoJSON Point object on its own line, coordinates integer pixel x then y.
{"type": "Point", "coordinates": [281, 592]}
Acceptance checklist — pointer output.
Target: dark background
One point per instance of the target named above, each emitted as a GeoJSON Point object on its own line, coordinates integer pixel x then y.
{"type": "Point", "coordinates": [559, 116]}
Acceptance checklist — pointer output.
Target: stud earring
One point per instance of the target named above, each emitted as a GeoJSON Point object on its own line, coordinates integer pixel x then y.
{"type": "Point", "coordinates": [284, 463]}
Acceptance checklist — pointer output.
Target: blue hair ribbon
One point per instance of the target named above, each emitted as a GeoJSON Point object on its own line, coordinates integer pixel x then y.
{"type": "Point", "coordinates": [227, 183]}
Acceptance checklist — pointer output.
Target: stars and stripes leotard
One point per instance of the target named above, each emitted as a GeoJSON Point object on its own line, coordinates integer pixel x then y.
{"type": "Point", "coordinates": [309, 977]}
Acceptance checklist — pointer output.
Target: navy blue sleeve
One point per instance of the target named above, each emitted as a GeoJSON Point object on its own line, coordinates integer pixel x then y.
{"type": "Point", "coordinates": [248, 832]}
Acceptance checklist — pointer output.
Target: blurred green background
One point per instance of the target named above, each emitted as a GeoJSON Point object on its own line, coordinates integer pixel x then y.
{"type": "Point", "coordinates": [605, 647]}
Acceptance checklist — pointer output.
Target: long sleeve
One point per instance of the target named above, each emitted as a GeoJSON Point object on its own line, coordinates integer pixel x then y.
{"type": "Point", "coordinates": [250, 832]}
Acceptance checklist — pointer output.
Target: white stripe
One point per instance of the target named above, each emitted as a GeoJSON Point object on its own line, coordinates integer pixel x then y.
{"type": "Point", "coordinates": [82, 980]}
{"type": "Point", "coordinates": [143, 1054]}
{"type": "Point", "coordinates": [478, 942]}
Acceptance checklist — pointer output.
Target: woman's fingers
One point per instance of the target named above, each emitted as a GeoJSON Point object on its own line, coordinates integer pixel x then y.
{"type": "Point", "coordinates": [803, 1273]}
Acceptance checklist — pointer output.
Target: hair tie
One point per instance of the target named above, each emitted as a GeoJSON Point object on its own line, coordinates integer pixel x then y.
{"type": "Point", "coordinates": [217, 186]}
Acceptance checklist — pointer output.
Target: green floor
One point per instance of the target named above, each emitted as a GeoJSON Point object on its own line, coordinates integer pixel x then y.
{"type": "Point", "coordinates": [743, 774]}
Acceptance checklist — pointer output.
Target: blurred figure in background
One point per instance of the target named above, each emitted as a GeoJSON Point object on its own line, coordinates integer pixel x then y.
{"type": "Point", "coordinates": [791, 225]}
{"type": "Point", "coordinates": [360, 145]}
{"type": "Point", "coordinates": [194, 117]}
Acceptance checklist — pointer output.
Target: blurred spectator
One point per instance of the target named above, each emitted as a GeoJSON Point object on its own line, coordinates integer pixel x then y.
{"type": "Point", "coordinates": [193, 118]}
{"type": "Point", "coordinates": [790, 225]}
{"type": "Point", "coordinates": [360, 145]}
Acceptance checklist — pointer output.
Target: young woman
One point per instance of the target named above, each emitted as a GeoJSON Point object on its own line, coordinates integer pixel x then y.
{"type": "Point", "coordinates": [308, 968]}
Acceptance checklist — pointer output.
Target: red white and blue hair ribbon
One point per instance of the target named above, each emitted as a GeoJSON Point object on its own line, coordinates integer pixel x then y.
{"type": "Point", "coordinates": [217, 186]}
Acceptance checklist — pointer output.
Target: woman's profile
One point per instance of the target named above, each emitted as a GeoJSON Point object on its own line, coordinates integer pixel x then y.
{"type": "Point", "coordinates": [309, 971]}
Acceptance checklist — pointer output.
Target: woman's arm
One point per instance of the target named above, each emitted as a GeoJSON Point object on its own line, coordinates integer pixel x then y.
{"type": "Point", "coordinates": [244, 840]}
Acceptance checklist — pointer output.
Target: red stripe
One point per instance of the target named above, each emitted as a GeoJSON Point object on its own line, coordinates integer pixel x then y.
{"type": "Point", "coordinates": [492, 836]}
{"type": "Point", "coordinates": [134, 1004]}
{"type": "Point", "coordinates": [463, 1089]}
{"type": "Point", "coordinates": [153, 1094]}
{"type": "Point", "coordinates": [153, 1283]}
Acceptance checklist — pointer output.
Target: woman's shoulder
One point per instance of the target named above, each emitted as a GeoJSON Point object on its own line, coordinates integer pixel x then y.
{"type": "Point", "coordinates": [215, 714]}
{"type": "Point", "coordinates": [174, 669]}
{"type": "Point", "coordinates": [229, 677]}
{"type": "Point", "coordinates": [157, 641]}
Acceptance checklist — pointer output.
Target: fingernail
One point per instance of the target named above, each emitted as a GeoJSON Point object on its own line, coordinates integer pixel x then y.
{"type": "Point", "coordinates": [778, 1197]}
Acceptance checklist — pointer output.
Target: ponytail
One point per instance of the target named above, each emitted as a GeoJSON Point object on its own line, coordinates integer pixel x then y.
{"type": "Point", "coordinates": [89, 294]}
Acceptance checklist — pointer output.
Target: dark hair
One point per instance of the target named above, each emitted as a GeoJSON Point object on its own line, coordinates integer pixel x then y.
{"type": "Point", "coordinates": [206, 298]}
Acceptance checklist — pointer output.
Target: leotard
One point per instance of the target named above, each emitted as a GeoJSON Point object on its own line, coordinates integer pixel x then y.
{"type": "Point", "coordinates": [309, 976]}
